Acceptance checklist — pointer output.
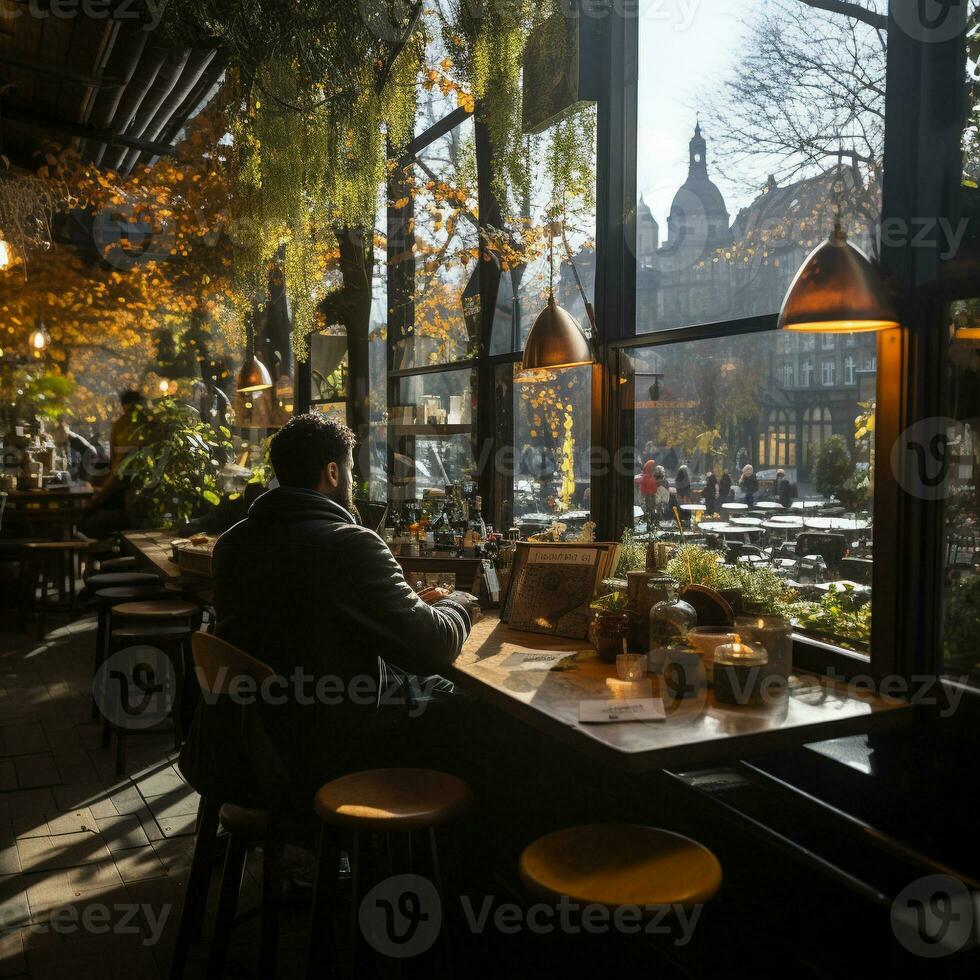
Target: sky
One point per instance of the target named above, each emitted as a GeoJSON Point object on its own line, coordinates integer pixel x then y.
{"type": "Point", "coordinates": [687, 47]}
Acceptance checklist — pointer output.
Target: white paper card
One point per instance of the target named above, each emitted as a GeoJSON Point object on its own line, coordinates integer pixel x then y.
{"type": "Point", "coordinates": [627, 709]}
{"type": "Point", "coordinates": [535, 659]}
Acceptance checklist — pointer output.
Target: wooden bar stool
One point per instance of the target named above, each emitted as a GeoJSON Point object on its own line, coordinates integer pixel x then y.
{"type": "Point", "coordinates": [50, 563]}
{"type": "Point", "coordinates": [618, 865]}
{"type": "Point", "coordinates": [109, 580]}
{"type": "Point", "coordinates": [385, 801]}
{"type": "Point", "coordinates": [163, 623]}
{"type": "Point", "coordinates": [124, 563]}
{"type": "Point", "coordinates": [105, 599]}
{"type": "Point", "coordinates": [219, 665]}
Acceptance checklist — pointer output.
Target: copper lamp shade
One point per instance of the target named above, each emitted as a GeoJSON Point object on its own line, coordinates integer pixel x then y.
{"type": "Point", "coordinates": [837, 290]}
{"type": "Point", "coordinates": [555, 341]}
{"type": "Point", "coordinates": [254, 376]}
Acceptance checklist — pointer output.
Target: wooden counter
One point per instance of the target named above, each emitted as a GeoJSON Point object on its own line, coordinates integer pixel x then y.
{"type": "Point", "coordinates": [696, 730]}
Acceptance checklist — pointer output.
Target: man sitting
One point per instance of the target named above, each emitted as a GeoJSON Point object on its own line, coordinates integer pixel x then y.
{"type": "Point", "coordinates": [299, 585]}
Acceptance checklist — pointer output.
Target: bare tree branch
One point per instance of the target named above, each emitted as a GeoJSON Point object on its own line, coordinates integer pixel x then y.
{"type": "Point", "coordinates": [853, 10]}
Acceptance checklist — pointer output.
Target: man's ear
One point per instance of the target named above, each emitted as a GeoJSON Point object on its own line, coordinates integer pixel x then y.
{"type": "Point", "coordinates": [332, 475]}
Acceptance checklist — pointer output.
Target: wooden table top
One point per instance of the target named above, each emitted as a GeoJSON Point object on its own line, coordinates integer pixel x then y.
{"type": "Point", "coordinates": [154, 548]}
{"type": "Point", "coordinates": [79, 490]}
{"type": "Point", "coordinates": [696, 730]}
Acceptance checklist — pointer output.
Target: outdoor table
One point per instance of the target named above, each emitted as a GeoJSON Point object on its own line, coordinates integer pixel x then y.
{"type": "Point", "coordinates": [731, 505]}
{"type": "Point", "coordinates": [784, 524]}
{"type": "Point", "coordinates": [842, 584]}
{"type": "Point", "coordinates": [769, 505]}
{"type": "Point", "coordinates": [808, 504]}
{"type": "Point", "coordinates": [837, 523]}
{"type": "Point", "coordinates": [693, 507]}
{"type": "Point", "coordinates": [747, 521]}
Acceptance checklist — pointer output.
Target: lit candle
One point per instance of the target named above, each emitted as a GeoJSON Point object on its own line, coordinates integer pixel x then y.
{"type": "Point", "coordinates": [773, 633]}
{"type": "Point", "coordinates": [739, 672]}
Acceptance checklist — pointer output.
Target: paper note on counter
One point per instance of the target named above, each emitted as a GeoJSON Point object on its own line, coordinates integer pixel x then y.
{"type": "Point", "coordinates": [535, 659]}
{"type": "Point", "coordinates": [638, 709]}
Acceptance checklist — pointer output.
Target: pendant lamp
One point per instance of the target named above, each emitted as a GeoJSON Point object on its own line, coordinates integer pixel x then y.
{"type": "Point", "coordinates": [837, 290]}
{"type": "Point", "coordinates": [556, 340]}
{"type": "Point", "coordinates": [253, 375]}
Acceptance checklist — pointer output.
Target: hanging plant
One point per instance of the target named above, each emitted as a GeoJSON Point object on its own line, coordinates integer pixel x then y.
{"type": "Point", "coordinates": [316, 97]}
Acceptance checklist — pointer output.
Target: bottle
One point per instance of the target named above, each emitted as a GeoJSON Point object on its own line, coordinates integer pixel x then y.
{"type": "Point", "coordinates": [476, 530]}
{"type": "Point", "coordinates": [670, 619]}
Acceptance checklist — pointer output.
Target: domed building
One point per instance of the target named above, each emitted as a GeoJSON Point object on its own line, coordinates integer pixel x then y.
{"type": "Point", "coordinates": [698, 214]}
{"type": "Point", "coordinates": [692, 278]}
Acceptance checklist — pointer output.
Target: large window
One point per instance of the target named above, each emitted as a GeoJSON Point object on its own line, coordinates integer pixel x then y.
{"type": "Point", "coordinates": [718, 423]}
{"type": "Point", "coordinates": [758, 120]}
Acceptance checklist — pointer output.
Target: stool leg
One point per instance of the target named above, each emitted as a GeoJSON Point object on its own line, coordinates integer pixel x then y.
{"type": "Point", "coordinates": [100, 635]}
{"type": "Point", "coordinates": [270, 908]}
{"type": "Point", "coordinates": [231, 882]}
{"type": "Point", "coordinates": [196, 893]}
{"type": "Point", "coordinates": [324, 903]}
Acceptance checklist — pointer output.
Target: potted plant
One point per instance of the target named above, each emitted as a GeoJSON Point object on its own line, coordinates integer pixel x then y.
{"type": "Point", "coordinates": [174, 469]}
{"type": "Point", "coordinates": [610, 625]}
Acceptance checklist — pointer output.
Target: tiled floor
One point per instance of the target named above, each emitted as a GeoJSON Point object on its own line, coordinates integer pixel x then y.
{"type": "Point", "coordinates": [92, 865]}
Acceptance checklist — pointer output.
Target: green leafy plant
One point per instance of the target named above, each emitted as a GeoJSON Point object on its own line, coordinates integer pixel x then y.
{"type": "Point", "coordinates": [612, 602]}
{"type": "Point", "coordinates": [833, 467]}
{"type": "Point", "coordinates": [174, 469]}
{"type": "Point", "coordinates": [842, 614]}
{"type": "Point", "coordinates": [30, 394]}
{"type": "Point", "coordinates": [262, 471]}
{"type": "Point", "coordinates": [632, 555]}
{"type": "Point", "coordinates": [763, 591]}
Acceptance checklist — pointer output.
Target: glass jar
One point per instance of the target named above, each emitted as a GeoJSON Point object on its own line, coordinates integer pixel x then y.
{"type": "Point", "coordinates": [670, 619]}
{"type": "Point", "coordinates": [610, 630]}
{"type": "Point", "coordinates": [775, 635]}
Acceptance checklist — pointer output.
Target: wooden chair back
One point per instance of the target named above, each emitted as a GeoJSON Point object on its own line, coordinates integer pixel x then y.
{"type": "Point", "coordinates": [218, 664]}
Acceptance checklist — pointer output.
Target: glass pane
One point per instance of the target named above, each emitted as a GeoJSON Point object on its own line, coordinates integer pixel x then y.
{"type": "Point", "coordinates": [430, 433]}
{"type": "Point", "coordinates": [443, 304]}
{"type": "Point", "coordinates": [328, 365]}
{"type": "Point", "coordinates": [744, 107]}
{"type": "Point", "coordinates": [956, 455]}
{"type": "Point", "coordinates": [768, 471]}
{"type": "Point", "coordinates": [522, 249]}
{"type": "Point", "coordinates": [552, 448]}
{"type": "Point", "coordinates": [378, 369]}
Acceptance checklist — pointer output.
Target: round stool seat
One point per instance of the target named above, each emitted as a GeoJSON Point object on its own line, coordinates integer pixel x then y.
{"type": "Point", "coordinates": [124, 564]}
{"type": "Point", "coordinates": [250, 823]}
{"type": "Point", "coordinates": [107, 580]}
{"type": "Point", "coordinates": [620, 864]}
{"type": "Point", "coordinates": [157, 609]}
{"type": "Point", "coordinates": [139, 631]}
{"type": "Point", "coordinates": [57, 545]}
{"type": "Point", "coordinates": [119, 593]}
{"type": "Point", "coordinates": [391, 800]}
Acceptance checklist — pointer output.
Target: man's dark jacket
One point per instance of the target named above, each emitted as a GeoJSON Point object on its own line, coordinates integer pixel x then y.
{"type": "Point", "coordinates": [299, 585]}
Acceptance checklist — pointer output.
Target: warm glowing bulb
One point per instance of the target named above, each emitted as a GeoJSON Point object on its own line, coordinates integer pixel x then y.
{"type": "Point", "coordinates": [165, 386]}
{"type": "Point", "coordinates": [6, 258]}
{"type": "Point", "coordinates": [38, 340]}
